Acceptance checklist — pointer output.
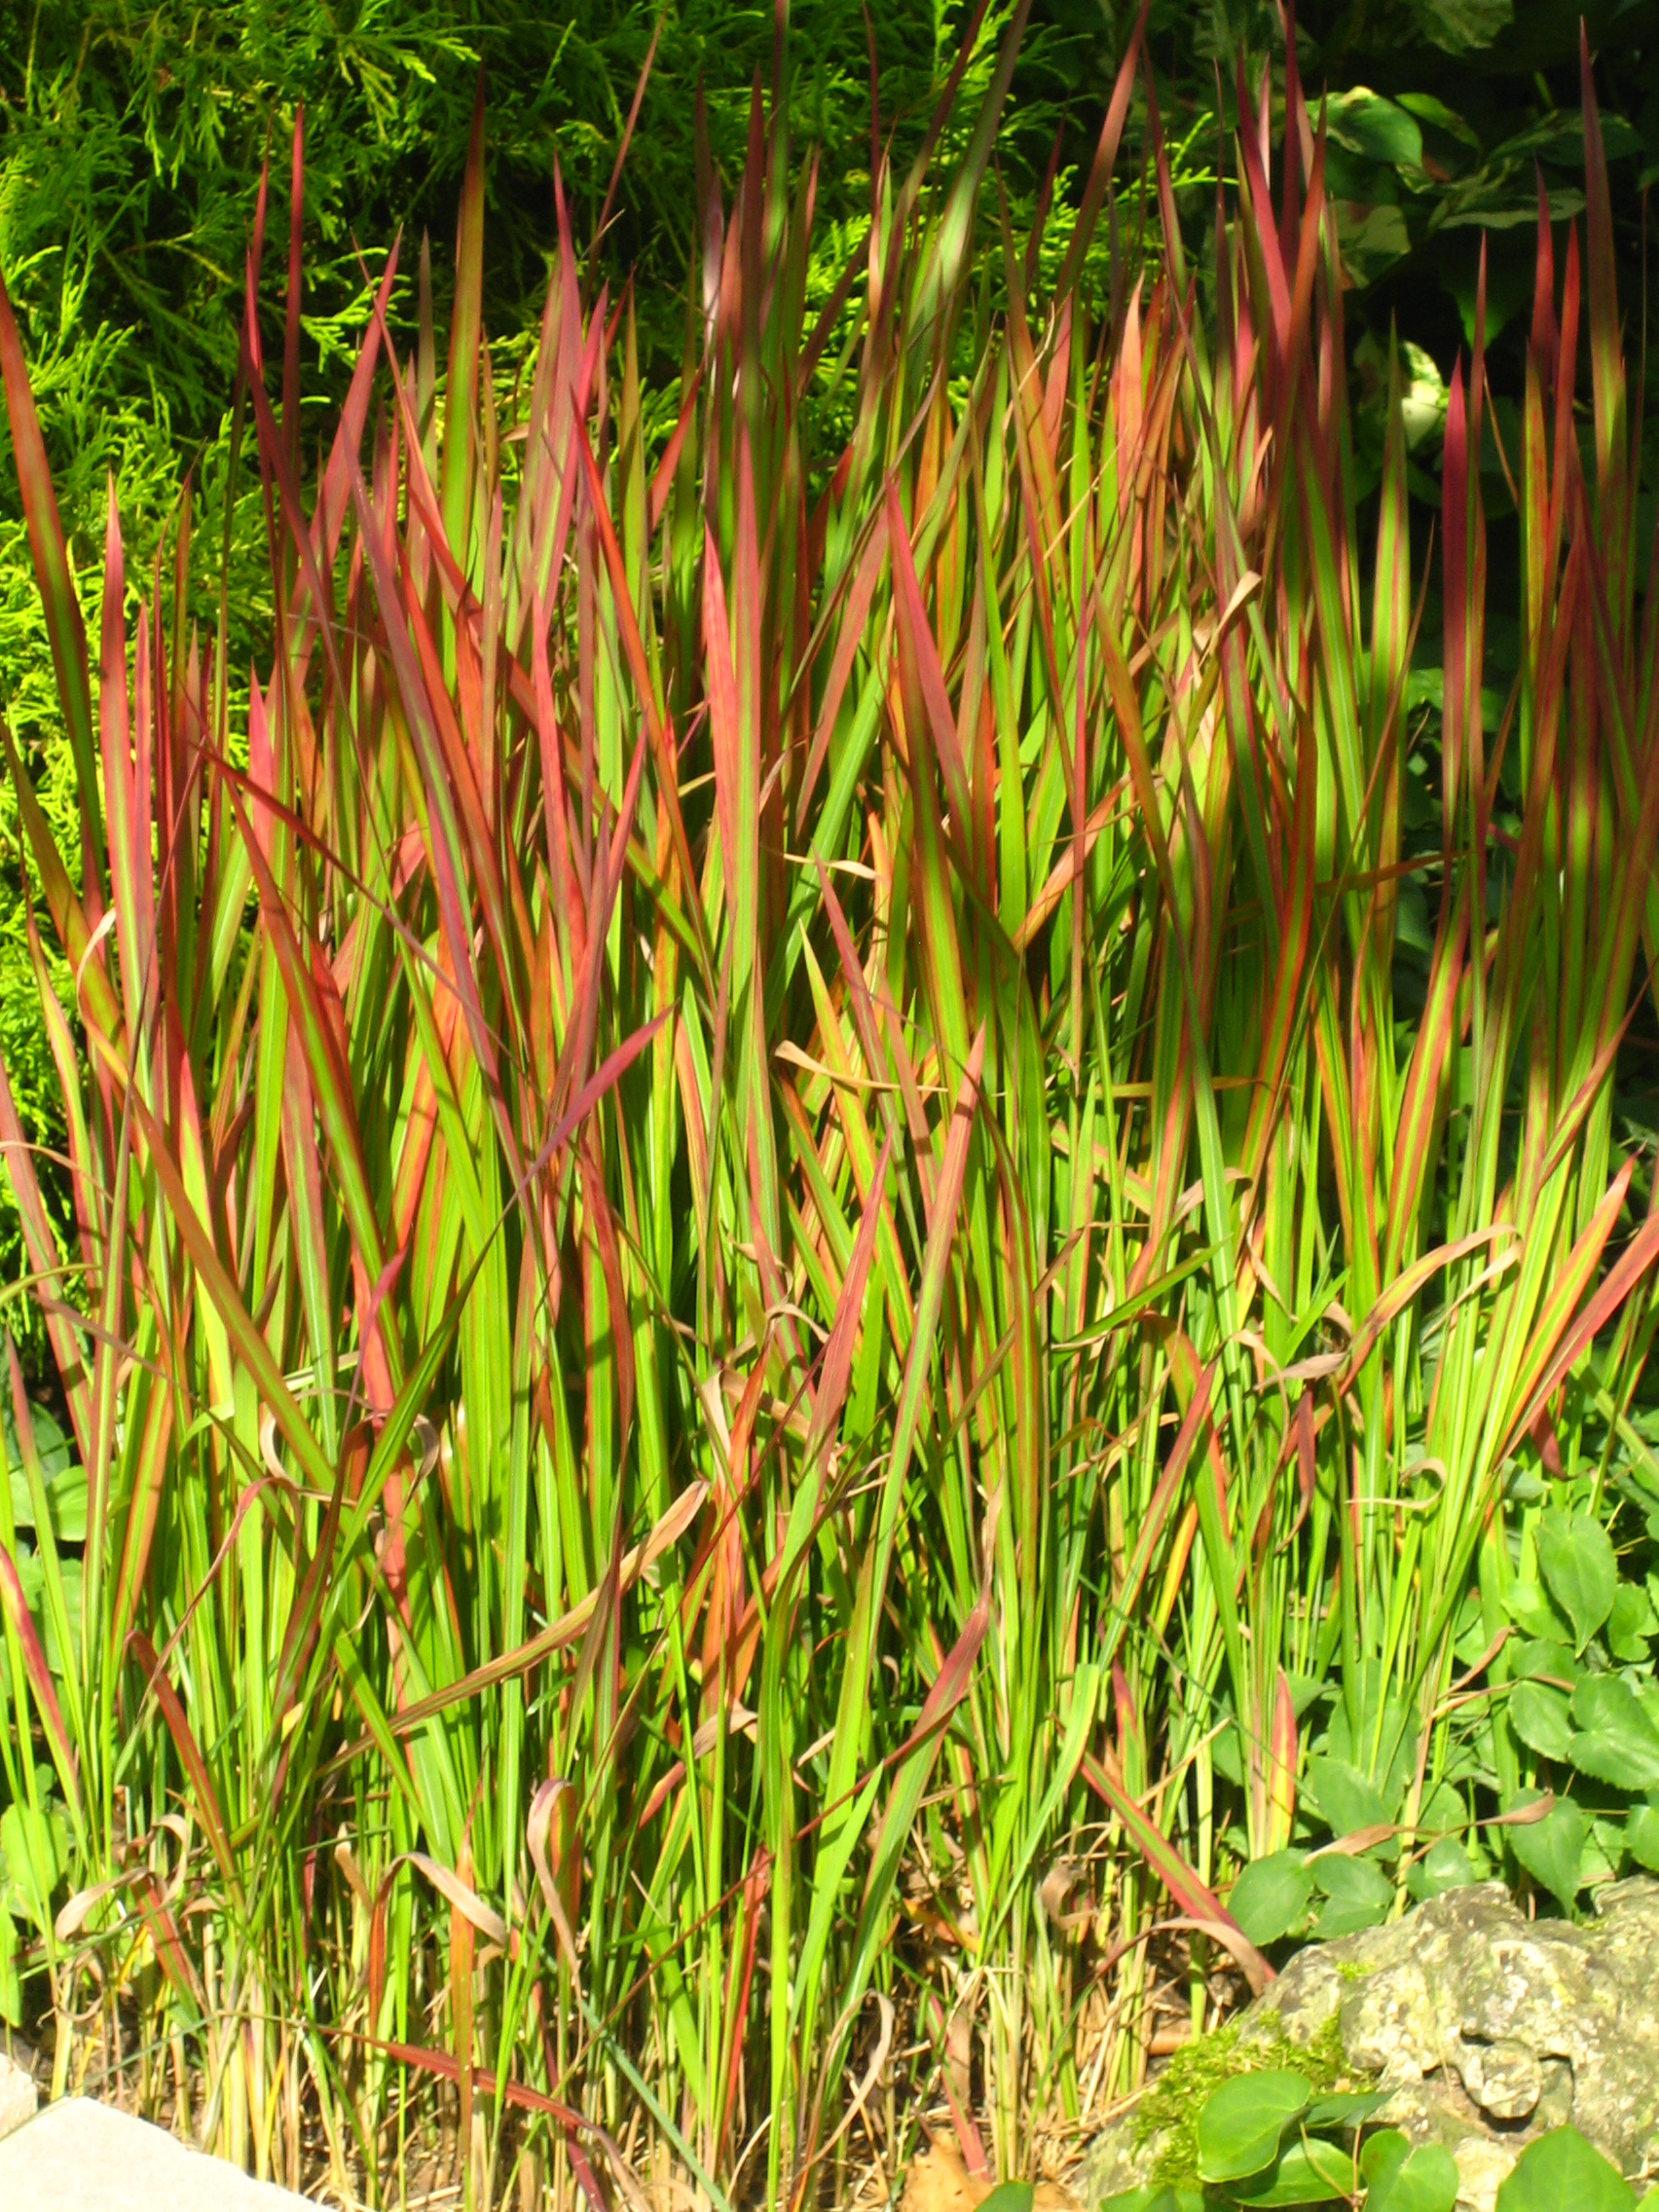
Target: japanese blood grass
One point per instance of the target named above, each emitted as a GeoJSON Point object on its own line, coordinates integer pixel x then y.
{"type": "Point", "coordinates": [755, 1228]}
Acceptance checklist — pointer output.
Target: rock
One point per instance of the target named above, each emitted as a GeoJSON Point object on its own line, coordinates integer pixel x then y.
{"type": "Point", "coordinates": [1489, 2028]}
{"type": "Point", "coordinates": [1483, 2168]}
{"type": "Point", "coordinates": [1113, 2164]}
{"type": "Point", "coordinates": [17, 2094]}
{"type": "Point", "coordinates": [85, 2155]}
{"type": "Point", "coordinates": [1505, 2077]}
{"type": "Point", "coordinates": [1388, 2024]}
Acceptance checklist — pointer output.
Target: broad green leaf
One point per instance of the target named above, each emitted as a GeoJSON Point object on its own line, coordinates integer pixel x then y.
{"type": "Point", "coordinates": [1528, 1606]}
{"type": "Point", "coordinates": [1427, 109]}
{"type": "Point", "coordinates": [1578, 1564]}
{"type": "Point", "coordinates": [31, 1579]}
{"type": "Point", "coordinates": [1539, 1717]}
{"type": "Point", "coordinates": [1372, 240]}
{"type": "Point", "coordinates": [1552, 1850]}
{"type": "Point", "coordinates": [1642, 1836]}
{"type": "Point", "coordinates": [1461, 26]}
{"type": "Point", "coordinates": [1563, 2173]}
{"type": "Point", "coordinates": [1272, 1895]}
{"type": "Point", "coordinates": [1009, 2196]}
{"type": "Point", "coordinates": [1357, 1895]}
{"type": "Point", "coordinates": [1379, 128]}
{"type": "Point", "coordinates": [1308, 2172]}
{"type": "Point", "coordinates": [1616, 1742]}
{"type": "Point", "coordinates": [1544, 1657]}
{"type": "Point", "coordinates": [1242, 2122]}
{"type": "Point", "coordinates": [33, 1859]}
{"type": "Point", "coordinates": [1376, 1743]}
{"type": "Point", "coordinates": [1560, 137]}
{"type": "Point", "coordinates": [1629, 1624]}
{"type": "Point", "coordinates": [1444, 1865]}
{"type": "Point", "coordinates": [1443, 1811]}
{"type": "Point", "coordinates": [1382, 2152]}
{"type": "Point", "coordinates": [65, 1480]}
{"type": "Point", "coordinates": [1344, 2107]}
{"type": "Point", "coordinates": [1496, 204]}
{"type": "Point", "coordinates": [1425, 2181]}
{"type": "Point", "coordinates": [1347, 1801]}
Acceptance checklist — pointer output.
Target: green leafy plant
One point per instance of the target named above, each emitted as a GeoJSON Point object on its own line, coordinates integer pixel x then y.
{"type": "Point", "coordinates": [1581, 1704]}
{"type": "Point", "coordinates": [1011, 2197]}
{"type": "Point", "coordinates": [1562, 2168]}
{"type": "Point", "coordinates": [1265, 2138]}
{"type": "Point", "coordinates": [769, 1215]}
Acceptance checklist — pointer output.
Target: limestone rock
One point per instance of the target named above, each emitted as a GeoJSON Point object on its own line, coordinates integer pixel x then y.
{"type": "Point", "coordinates": [1489, 2028]}
{"type": "Point", "coordinates": [1504, 2077]}
{"type": "Point", "coordinates": [1113, 2164]}
{"type": "Point", "coordinates": [1483, 2167]}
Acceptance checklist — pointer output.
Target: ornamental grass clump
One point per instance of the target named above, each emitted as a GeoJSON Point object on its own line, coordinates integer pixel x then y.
{"type": "Point", "coordinates": [784, 1305]}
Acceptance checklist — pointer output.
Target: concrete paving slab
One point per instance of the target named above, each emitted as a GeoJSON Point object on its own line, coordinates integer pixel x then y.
{"type": "Point", "coordinates": [17, 2098]}
{"type": "Point", "coordinates": [82, 2156]}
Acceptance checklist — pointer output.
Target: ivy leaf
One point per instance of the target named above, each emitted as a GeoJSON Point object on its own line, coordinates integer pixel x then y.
{"type": "Point", "coordinates": [1272, 1895]}
{"type": "Point", "coordinates": [1577, 1560]}
{"type": "Point", "coordinates": [1009, 2197]}
{"type": "Point", "coordinates": [1344, 2108]}
{"type": "Point", "coordinates": [1382, 2153]}
{"type": "Point", "coordinates": [1616, 1742]}
{"type": "Point", "coordinates": [1552, 1850]}
{"type": "Point", "coordinates": [1562, 2170]}
{"type": "Point", "coordinates": [1426, 2180]}
{"type": "Point", "coordinates": [1242, 2122]}
{"type": "Point", "coordinates": [1309, 2172]}
{"type": "Point", "coordinates": [1540, 1716]}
